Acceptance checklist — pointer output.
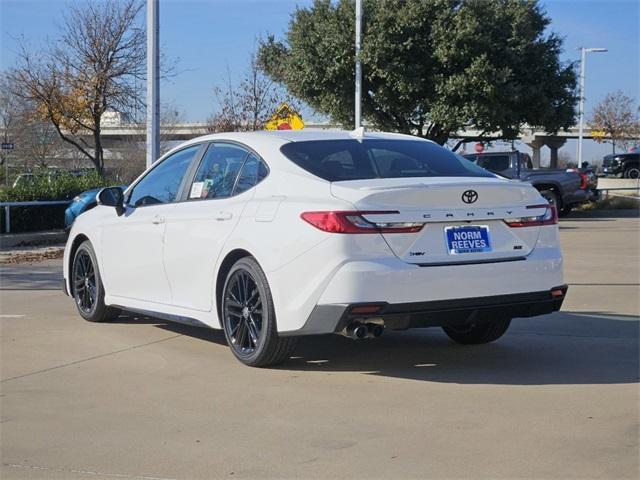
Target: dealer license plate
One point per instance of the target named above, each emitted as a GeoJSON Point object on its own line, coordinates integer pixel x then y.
{"type": "Point", "coordinates": [467, 239]}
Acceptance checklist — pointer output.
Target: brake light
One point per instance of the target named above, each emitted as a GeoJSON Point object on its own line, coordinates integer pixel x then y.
{"type": "Point", "coordinates": [354, 222]}
{"type": "Point", "coordinates": [584, 179]}
{"type": "Point", "coordinates": [549, 217]}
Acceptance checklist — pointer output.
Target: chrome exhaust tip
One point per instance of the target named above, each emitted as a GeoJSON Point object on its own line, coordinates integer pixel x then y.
{"type": "Point", "coordinates": [375, 329]}
{"type": "Point", "coordinates": [356, 330]}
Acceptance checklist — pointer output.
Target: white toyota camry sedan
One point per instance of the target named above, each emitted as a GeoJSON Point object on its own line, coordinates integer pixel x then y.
{"type": "Point", "coordinates": [274, 235]}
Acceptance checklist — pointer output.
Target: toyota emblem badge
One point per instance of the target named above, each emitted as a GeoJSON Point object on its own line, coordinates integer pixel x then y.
{"type": "Point", "coordinates": [469, 196]}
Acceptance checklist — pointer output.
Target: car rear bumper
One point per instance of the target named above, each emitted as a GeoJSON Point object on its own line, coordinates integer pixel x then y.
{"type": "Point", "coordinates": [577, 197]}
{"type": "Point", "coordinates": [401, 316]}
{"type": "Point", "coordinates": [519, 287]}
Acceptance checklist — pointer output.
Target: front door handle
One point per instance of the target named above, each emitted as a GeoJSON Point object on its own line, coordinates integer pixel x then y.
{"type": "Point", "coordinates": [223, 216]}
{"type": "Point", "coordinates": [157, 220]}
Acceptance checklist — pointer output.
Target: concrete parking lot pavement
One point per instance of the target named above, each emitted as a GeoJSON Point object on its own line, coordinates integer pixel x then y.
{"type": "Point", "coordinates": [557, 397]}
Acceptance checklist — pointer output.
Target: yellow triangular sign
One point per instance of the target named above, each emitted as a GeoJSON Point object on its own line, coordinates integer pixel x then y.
{"type": "Point", "coordinates": [285, 118]}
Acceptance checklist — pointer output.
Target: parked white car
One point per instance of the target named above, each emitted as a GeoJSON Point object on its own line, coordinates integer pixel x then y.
{"type": "Point", "coordinates": [273, 235]}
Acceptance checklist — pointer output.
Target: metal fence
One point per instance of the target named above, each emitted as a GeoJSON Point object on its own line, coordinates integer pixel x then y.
{"type": "Point", "coordinates": [7, 209]}
{"type": "Point", "coordinates": [605, 192]}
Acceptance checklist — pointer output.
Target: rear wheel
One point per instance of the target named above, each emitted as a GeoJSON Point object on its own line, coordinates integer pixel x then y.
{"type": "Point", "coordinates": [552, 197]}
{"type": "Point", "coordinates": [474, 334]}
{"type": "Point", "coordinates": [248, 317]}
{"type": "Point", "coordinates": [87, 288]}
{"type": "Point", "coordinates": [565, 211]}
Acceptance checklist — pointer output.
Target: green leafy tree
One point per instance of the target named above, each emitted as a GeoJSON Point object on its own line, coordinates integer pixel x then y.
{"type": "Point", "coordinates": [430, 67]}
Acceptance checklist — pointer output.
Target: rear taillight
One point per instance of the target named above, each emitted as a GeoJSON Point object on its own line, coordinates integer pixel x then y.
{"type": "Point", "coordinates": [354, 222]}
{"type": "Point", "coordinates": [549, 217]}
{"type": "Point", "coordinates": [584, 179]}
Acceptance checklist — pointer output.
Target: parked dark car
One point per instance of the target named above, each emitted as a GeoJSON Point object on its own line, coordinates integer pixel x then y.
{"type": "Point", "coordinates": [80, 204]}
{"type": "Point", "coordinates": [625, 165]}
{"type": "Point", "coordinates": [562, 187]}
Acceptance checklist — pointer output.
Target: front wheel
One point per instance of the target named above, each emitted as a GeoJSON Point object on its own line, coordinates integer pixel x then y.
{"type": "Point", "coordinates": [248, 317]}
{"type": "Point", "coordinates": [87, 288]}
{"type": "Point", "coordinates": [632, 172]}
{"type": "Point", "coordinates": [474, 334]}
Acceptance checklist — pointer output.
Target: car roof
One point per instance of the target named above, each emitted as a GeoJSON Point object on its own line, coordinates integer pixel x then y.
{"type": "Point", "coordinates": [285, 136]}
{"type": "Point", "coordinates": [261, 140]}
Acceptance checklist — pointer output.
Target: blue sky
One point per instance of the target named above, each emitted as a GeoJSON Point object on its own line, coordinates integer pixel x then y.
{"type": "Point", "coordinates": [209, 35]}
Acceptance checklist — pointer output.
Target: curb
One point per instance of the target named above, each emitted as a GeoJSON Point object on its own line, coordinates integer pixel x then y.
{"type": "Point", "coordinates": [11, 240]}
{"type": "Point", "coordinates": [621, 213]}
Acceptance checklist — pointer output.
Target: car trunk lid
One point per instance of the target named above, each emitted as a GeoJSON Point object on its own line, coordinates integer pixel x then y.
{"type": "Point", "coordinates": [463, 217]}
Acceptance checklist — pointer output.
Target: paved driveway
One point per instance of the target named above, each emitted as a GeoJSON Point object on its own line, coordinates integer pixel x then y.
{"type": "Point", "coordinates": [557, 397]}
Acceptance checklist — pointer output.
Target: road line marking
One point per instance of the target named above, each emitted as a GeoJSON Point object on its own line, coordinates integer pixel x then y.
{"type": "Point", "coordinates": [11, 316]}
{"type": "Point", "coordinates": [84, 472]}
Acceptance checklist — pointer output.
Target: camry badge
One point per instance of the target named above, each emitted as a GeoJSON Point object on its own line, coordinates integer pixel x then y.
{"type": "Point", "coordinates": [469, 196]}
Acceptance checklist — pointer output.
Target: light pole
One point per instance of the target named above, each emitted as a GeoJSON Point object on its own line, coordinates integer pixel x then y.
{"type": "Point", "coordinates": [583, 57]}
{"type": "Point", "coordinates": [358, 109]}
{"type": "Point", "coordinates": [153, 81]}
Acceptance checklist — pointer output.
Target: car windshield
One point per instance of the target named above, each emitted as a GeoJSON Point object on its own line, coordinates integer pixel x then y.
{"type": "Point", "coordinates": [338, 160]}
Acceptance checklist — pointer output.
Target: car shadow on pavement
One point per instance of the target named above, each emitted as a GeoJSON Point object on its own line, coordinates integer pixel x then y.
{"type": "Point", "coordinates": [568, 348]}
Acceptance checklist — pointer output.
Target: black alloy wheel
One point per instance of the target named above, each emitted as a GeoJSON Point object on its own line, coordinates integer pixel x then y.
{"type": "Point", "coordinates": [248, 317]}
{"type": "Point", "coordinates": [86, 286]}
{"type": "Point", "coordinates": [84, 282]}
{"type": "Point", "coordinates": [243, 312]}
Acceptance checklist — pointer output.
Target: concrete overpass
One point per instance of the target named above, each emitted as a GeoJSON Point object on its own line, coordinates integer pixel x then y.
{"type": "Point", "coordinates": [536, 139]}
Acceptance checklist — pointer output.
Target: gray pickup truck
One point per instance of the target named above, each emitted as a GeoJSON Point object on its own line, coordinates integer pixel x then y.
{"type": "Point", "coordinates": [562, 187]}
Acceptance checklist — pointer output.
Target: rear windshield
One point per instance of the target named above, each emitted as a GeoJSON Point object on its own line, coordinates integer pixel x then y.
{"type": "Point", "coordinates": [336, 160]}
{"type": "Point", "coordinates": [495, 163]}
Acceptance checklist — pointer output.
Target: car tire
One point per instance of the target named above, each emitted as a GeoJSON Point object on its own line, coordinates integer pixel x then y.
{"type": "Point", "coordinates": [249, 319]}
{"type": "Point", "coordinates": [475, 334]}
{"type": "Point", "coordinates": [87, 288]}
{"type": "Point", "coordinates": [632, 172]}
{"type": "Point", "coordinates": [552, 197]}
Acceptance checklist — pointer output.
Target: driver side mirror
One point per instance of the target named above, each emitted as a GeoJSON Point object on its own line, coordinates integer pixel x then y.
{"type": "Point", "coordinates": [112, 197]}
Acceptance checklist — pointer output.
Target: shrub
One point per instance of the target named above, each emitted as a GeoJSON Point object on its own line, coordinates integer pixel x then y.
{"type": "Point", "coordinates": [45, 186]}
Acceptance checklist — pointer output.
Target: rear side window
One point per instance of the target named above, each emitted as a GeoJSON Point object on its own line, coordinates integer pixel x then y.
{"type": "Point", "coordinates": [226, 170]}
{"type": "Point", "coordinates": [338, 160]}
{"type": "Point", "coordinates": [253, 171]}
{"type": "Point", "coordinates": [217, 172]}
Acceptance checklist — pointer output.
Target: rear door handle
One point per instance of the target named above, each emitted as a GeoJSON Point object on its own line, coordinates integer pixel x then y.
{"type": "Point", "coordinates": [157, 220]}
{"type": "Point", "coordinates": [223, 216]}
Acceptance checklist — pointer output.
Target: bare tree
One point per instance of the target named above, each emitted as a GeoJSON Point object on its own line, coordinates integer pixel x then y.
{"type": "Point", "coordinates": [35, 140]}
{"type": "Point", "coordinates": [39, 144]}
{"type": "Point", "coordinates": [129, 158]}
{"type": "Point", "coordinates": [10, 116]}
{"type": "Point", "coordinates": [248, 105]}
{"type": "Point", "coordinates": [618, 118]}
{"type": "Point", "coordinates": [93, 66]}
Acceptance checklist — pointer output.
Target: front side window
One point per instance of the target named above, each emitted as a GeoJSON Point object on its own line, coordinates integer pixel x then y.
{"type": "Point", "coordinates": [338, 160]}
{"type": "Point", "coordinates": [218, 170]}
{"type": "Point", "coordinates": [162, 184]}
